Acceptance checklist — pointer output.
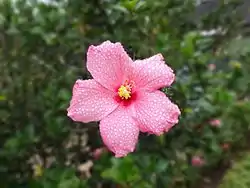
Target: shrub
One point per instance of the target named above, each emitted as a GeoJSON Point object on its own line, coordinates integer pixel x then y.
{"type": "Point", "coordinates": [43, 47]}
{"type": "Point", "coordinates": [237, 177]}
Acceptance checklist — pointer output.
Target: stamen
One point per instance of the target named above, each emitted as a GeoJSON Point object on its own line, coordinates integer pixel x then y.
{"type": "Point", "coordinates": [125, 90]}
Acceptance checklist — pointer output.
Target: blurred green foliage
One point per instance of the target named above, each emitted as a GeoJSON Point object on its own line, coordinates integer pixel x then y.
{"type": "Point", "coordinates": [43, 47]}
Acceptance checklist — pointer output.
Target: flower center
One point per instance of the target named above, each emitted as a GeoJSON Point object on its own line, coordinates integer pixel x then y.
{"type": "Point", "coordinates": [125, 90]}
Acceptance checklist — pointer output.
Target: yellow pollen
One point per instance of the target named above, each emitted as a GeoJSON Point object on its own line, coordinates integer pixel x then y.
{"type": "Point", "coordinates": [124, 92]}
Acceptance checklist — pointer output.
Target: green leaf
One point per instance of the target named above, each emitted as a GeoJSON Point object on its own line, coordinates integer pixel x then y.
{"type": "Point", "coordinates": [74, 182]}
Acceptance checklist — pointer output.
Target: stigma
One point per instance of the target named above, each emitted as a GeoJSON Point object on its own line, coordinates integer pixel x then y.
{"type": "Point", "coordinates": [125, 90]}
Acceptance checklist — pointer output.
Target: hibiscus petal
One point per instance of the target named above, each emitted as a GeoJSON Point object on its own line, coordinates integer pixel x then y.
{"type": "Point", "coordinates": [155, 58]}
{"type": "Point", "coordinates": [152, 73]}
{"type": "Point", "coordinates": [90, 101]}
{"type": "Point", "coordinates": [108, 63]}
{"type": "Point", "coordinates": [119, 132]}
{"type": "Point", "coordinates": [155, 113]}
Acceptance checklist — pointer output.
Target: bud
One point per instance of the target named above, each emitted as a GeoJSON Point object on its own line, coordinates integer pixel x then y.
{"type": "Point", "coordinates": [225, 146]}
{"type": "Point", "coordinates": [211, 67]}
{"type": "Point", "coordinates": [197, 161]}
{"type": "Point", "coordinates": [97, 153]}
{"type": "Point", "coordinates": [215, 123]}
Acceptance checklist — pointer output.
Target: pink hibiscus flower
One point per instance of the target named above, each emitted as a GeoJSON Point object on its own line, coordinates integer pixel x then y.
{"type": "Point", "coordinates": [124, 96]}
